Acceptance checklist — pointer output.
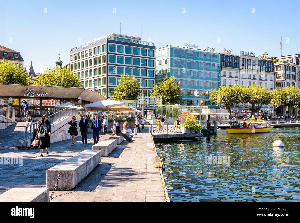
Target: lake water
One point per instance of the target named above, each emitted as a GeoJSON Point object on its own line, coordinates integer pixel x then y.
{"type": "Point", "coordinates": [246, 167]}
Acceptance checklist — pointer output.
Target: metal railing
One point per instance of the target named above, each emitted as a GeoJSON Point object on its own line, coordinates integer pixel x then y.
{"type": "Point", "coordinates": [54, 118]}
{"type": "Point", "coordinates": [163, 129]}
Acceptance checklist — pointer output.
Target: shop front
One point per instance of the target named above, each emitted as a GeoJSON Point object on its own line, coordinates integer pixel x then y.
{"type": "Point", "coordinates": [42, 99]}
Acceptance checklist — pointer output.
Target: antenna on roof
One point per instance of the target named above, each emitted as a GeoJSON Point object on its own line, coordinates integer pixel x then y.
{"type": "Point", "coordinates": [120, 28]}
{"type": "Point", "coordinates": [141, 31]}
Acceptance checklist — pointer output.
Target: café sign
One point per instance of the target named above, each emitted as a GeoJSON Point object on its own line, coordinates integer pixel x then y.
{"type": "Point", "coordinates": [31, 93]}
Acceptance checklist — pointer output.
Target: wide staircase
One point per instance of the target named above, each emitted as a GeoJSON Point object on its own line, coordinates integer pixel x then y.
{"type": "Point", "coordinates": [59, 126]}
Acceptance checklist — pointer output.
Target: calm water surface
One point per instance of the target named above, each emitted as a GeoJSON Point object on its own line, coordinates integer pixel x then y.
{"type": "Point", "coordinates": [246, 167]}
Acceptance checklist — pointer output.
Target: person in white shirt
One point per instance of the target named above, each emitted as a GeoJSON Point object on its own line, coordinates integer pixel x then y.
{"type": "Point", "coordinates": [105, 124]}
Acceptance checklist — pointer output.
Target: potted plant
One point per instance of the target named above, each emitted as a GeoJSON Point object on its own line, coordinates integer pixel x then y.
{"type": "Point", "coordinates": [190, 123]}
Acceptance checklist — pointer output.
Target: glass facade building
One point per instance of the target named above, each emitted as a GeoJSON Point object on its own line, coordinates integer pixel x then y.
{"type": "Point", "coordinates": [196, 70]}
{"type": "Point", "coordinates": [100, 63]}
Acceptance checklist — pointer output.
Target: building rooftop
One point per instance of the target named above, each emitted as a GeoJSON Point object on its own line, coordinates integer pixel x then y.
{"type": "Point", "coordinates": [6, 49]}
{"type": "Point", "coordinates": [9, 54]}
{"type": "Point", "coordinates": [118, 37]}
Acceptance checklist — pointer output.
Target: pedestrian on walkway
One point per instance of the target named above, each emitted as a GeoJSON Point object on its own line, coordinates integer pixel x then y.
{"type": "Point", "coordinates": [43, 134]}
{"type": "Point", "coordinates": [162, 120]}
{"type": "Point", "coordinates": [105, 124]}
{"type": "Point", "coordinates": [96, 126]}
{"type": "Point", "coordinates": [137, 123]}
{"type": "Point", "coordinates": [114, 126]}
{"type": "Point", "coordinates": [143, 122]}
{"type": "Point", "coordinates": [73, 129]}
{"type": "Point", "coordinates": [83, 128]}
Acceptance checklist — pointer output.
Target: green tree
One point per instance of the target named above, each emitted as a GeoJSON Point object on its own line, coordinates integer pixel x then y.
{"type": "Point", "coordinates": [128, 88]}
{"type": "Point", "coordinates": [256, 96]}
{"type": "Point", "coordinates": [287, 96]}
{"type": "Point", "coordinates": [13, 74]}
{"type": "Point", "coordinates": [58, 77]}
{"type": "Point", "coordinates": [227, 96]}
{"type": "Point", "coordinates": [168, 90]}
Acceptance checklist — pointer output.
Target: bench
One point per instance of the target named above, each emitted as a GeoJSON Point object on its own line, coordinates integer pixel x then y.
{"type": "Point", "coordinates": [69, 173]}
{"type": "Point", "coordinates": [119, 139]}
{"type": "Point", "coordinates": [26, 194]}
{"type": "Point", "coordinates": [106, 146]}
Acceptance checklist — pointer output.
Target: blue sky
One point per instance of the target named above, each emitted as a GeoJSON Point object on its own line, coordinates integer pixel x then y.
{"type": "Point", "coordinates": [41, 29]}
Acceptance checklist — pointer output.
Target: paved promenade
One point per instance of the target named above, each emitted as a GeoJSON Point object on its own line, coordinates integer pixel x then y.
{"type": "Point", "coordinates": [128, 174]}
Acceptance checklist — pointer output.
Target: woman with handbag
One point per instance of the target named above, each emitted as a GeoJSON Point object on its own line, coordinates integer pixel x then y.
{"type": "Point", "coordinates": [43, 134]}
{"type": "Point", "coordinates": [73, 129]}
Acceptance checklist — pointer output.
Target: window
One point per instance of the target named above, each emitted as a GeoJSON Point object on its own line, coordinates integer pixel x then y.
{"type": "Point", "coordinates": [111, 69]}
{"type": "Point", "coordinates": [143, 62]}
{"type": "Point", "coordinates": [150, 83]}
{"type": "Point", "coordinates": [111, 81]}
{"type": "Point", "coordinates": [151, 53]}
{"type": "Point", "coordinates": [143, 83]}
{"type": "Point", "coordinates": [136, 51]}
{"type": "Point", "coordinates": [127, 70]}
{"type": "Point", "coordinates": [120, 49]}
{"type": "Point", "coordinates": [103, 81]}
{"type": "Point", "coordinates": [104, 70]}
{"type": "Point", "coordinates": [104, 59]}
{"type": "Point", "coordinates": [95, 72]}
{"type": "Point", "coordinates": [99, 82]}
{"type": "Point", "coordinates": [150, 73]}
{"type": "Point", "coordinates": [120, 70]}
{"type": "Point", "coordinates": [128, 60]}
{"type": "Point", "coordinates": [143, 52]}
{"type": "Point", "coordinates": [99, 49]}
{"type": "Point", "coordinates": [112, 59]}
{"type": "Point", "coordinates": [143, 72]}
{"type": "Point", "coordinates": [151, 63]}
{"type": "Point", "coordinates": [120, 59]}
{"type": "Point", "coordinates": [136, 72]}
{"type": "Point", "coordinates": [127, 49]}
{"type": "Point", "coordinates": [104, 48]}
{"type": "Point", "coordinates": [111, 47]}
{"type": "Point", "coordinates": [136, 61]}
{"type": "Point", "coordinates": [110, 91]}
{"type": "Point", "coordinates": [95, 50]}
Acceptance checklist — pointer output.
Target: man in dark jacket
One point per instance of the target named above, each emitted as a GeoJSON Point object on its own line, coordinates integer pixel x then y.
{"type": "Point", "coordinates": [83, 129]}
{"type": "Point", "coordinates": [96, 127]}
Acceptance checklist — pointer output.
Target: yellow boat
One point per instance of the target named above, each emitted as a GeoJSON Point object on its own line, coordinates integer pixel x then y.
{"type": "Point", "coordinates": [249, 127]}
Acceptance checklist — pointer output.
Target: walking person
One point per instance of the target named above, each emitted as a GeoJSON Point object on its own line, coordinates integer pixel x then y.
{"type": "Point", "coordinates": [137, 123]}
{"type": "Point", "coordinates": [143, 122]}
{"type": "Point", "coordinates": [105, 124]}
{"type": "Point", "coordinates": [96, 126]}
{"type": "Point", "coordinates": [114, 126]}
{"type": "Point", "coordinates": [43, 134]}
{"type": "Point", "coordinates": [73, 129]}
{"type": "Point", "coordinates": [162, 120]}
{"type": "Point", "coordinates": [83, 129]}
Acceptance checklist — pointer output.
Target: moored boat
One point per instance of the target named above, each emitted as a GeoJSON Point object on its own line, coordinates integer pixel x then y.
{"type": "Point", "coordinates": [251, 127]}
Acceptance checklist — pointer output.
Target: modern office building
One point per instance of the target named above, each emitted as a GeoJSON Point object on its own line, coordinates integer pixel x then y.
{"type": "Point", "coordinates": [246, 70]}
{"type": "Point", "coordinates": [287, 71]}
{"type": "Point", "coordinates": [11, 56]}
{"type": "Point", "coordinates": [100, 63]}
{"type": "Point", "coordinates": [196, 70]}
